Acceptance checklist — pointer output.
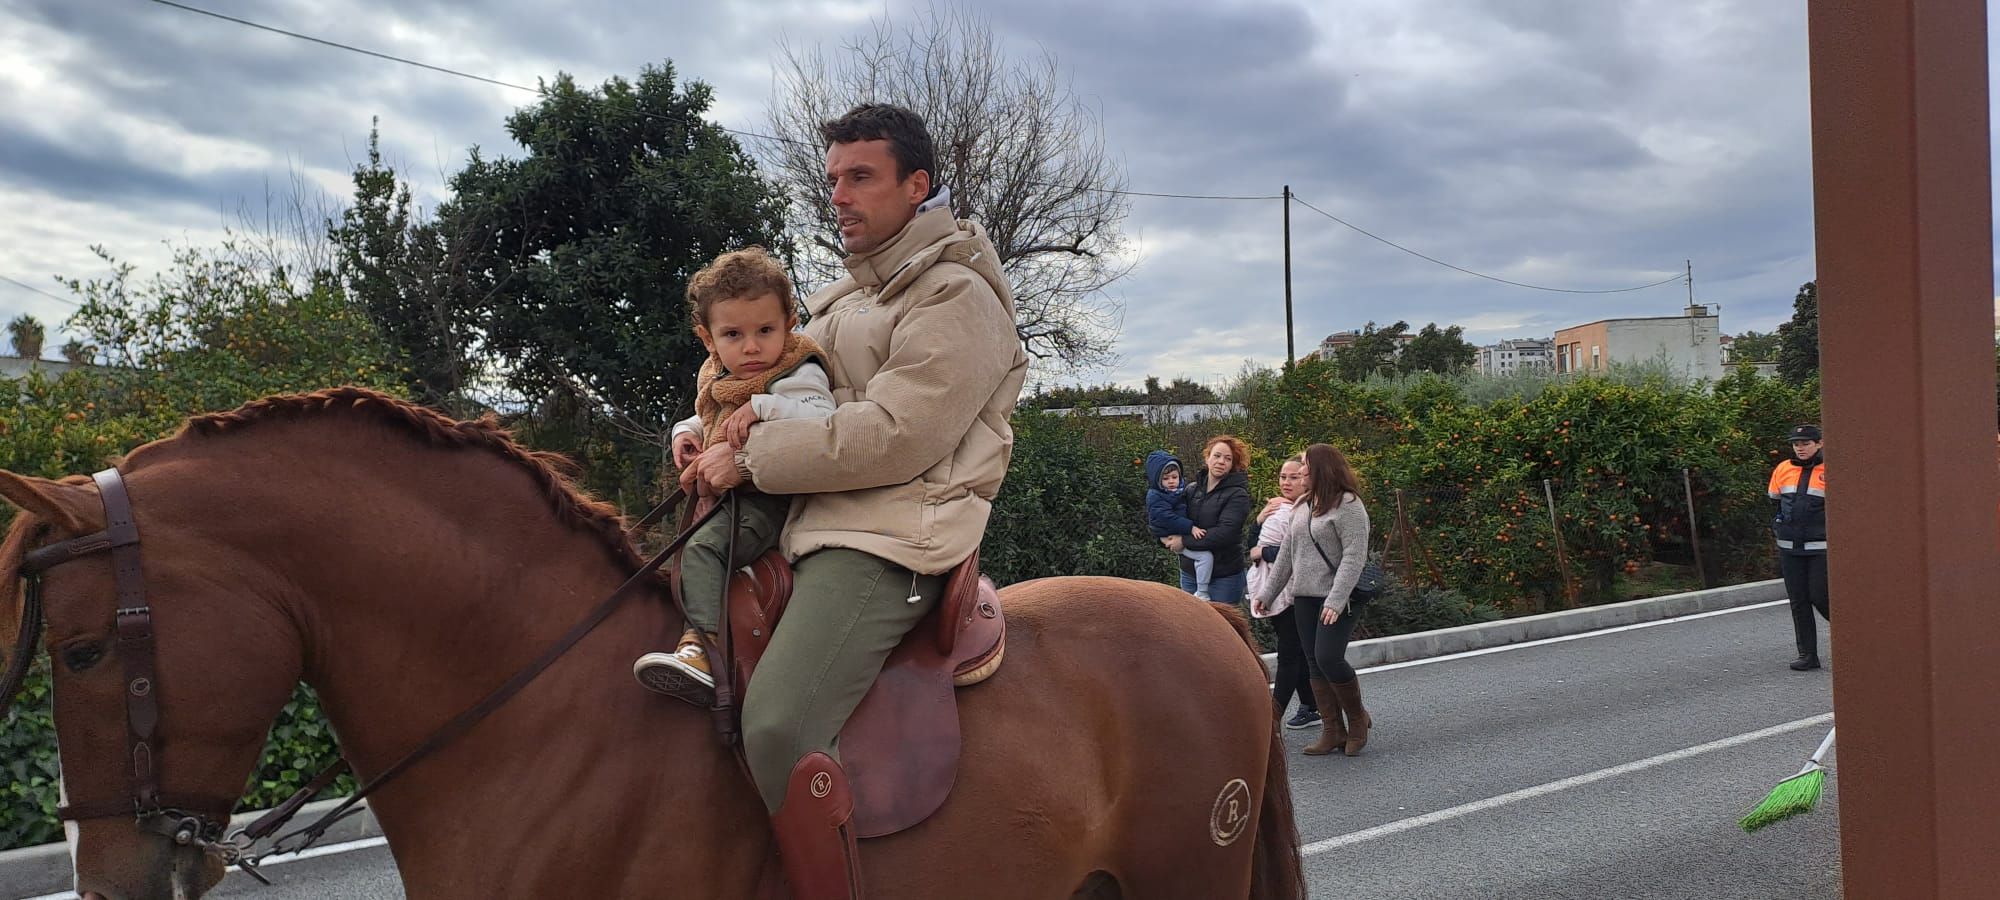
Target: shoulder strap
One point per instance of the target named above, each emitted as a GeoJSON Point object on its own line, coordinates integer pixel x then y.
{"type": "Point", "coordinates": [1315, 539]}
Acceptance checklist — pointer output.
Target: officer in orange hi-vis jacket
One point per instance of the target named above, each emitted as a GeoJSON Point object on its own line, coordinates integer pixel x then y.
{"type": "Point", "coordinates": [1799, 487]}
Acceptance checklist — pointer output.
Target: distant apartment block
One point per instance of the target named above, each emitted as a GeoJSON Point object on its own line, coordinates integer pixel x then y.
{"type": "Point", "coordinates": [1691, 344]}
{"type": "Point", "coordinates": [1524, 355]}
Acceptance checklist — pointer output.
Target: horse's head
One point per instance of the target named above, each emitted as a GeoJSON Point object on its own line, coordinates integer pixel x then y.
{"type": "Point", "coordinates": [224, 657]}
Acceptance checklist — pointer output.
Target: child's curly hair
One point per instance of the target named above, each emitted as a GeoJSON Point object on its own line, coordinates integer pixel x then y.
{"type": "Point", "coordinates": [743, 274]}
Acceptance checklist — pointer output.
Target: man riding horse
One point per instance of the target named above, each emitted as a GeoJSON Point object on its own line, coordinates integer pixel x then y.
{"type": "Point", "coordinates": [896, 485]}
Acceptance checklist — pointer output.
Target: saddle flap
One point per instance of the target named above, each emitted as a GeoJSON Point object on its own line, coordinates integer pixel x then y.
{"type": "Point", "coordinates": [900, 747]}
{"type": "Point", "coordinates": [758, 594]}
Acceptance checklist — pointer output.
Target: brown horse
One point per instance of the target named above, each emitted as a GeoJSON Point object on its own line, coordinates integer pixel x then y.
{"type": "Point", "coordinates": [404, 564]}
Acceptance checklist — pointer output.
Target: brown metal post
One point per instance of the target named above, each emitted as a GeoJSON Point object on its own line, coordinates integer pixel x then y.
{"type": "Point", "coordinates": [1694, 530]}
{"type": "Point", "coordinates": [1902, 191]}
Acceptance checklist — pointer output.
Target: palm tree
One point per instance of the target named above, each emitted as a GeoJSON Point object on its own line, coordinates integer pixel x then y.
{"type": "Point", "coordinates": [27, 333]}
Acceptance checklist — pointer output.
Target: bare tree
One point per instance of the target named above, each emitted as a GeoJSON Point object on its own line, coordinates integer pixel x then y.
{"type": "Point", "coordinates": [1021, 154]}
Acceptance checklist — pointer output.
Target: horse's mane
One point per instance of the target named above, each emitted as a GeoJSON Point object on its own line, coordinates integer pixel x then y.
{"type": "Point", "coordinates": [549, 470]}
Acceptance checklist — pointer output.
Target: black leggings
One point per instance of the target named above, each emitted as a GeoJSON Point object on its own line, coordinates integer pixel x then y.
{"type": "Point", "coordinates": [1325, 645]}
{"type": "Point", "coordinates": [1291, 674]}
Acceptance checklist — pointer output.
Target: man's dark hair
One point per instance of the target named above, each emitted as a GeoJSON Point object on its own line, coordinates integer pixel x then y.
{"type": "Point", "coordinates": [909, 141]}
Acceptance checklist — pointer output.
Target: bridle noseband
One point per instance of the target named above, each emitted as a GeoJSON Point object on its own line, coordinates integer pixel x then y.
{"type": "Point", "coordinates": [200, 821]}
{"type": "Point", "coordinates": [186, 819]}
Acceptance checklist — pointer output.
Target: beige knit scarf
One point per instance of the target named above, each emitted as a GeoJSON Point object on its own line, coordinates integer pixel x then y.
{"type": "Point", "coordinates": [718, 393]}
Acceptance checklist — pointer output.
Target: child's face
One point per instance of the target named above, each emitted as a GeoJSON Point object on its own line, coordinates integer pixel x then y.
{"type": "Point", "coordinates": [1170, 480]}
{"type": "Point", "coordinates": [747, 334]}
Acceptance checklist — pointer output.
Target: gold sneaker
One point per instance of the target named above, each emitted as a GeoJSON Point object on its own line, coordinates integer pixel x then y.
{"type": "Point", "coordinates": [682, 674]}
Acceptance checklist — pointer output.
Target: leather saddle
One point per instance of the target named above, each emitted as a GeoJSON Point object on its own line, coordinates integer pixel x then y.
{"type": "Point", "coordinates": [900, 749]}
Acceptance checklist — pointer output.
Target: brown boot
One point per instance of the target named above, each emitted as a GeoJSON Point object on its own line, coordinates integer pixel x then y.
{"type": "Point", "coordinates": [815, 834]}
{"type": "Point", "coordinates": [1348, 694]}
{"type": "Point", "coordinates": [1332, 734]}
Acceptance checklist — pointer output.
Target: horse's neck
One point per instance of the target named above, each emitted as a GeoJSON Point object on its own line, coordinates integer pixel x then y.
{"type": "Point", "coordinates": [403, 639]}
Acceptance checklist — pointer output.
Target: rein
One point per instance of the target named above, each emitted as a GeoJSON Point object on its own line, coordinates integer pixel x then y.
{"type": "Point", "coordinates": [200, 821]}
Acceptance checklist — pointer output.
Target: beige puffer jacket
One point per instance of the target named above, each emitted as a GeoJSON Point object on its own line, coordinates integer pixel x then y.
{"type": "Point", "coordinates": [926, 365]}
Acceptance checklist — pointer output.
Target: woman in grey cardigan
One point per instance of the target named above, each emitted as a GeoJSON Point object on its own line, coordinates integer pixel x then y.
{"type": "Point", "coordinates": [1318, 565]}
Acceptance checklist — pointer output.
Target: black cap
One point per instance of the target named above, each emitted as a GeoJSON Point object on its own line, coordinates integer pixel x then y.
{"type": "Point", "coordinates": [1806, 433]}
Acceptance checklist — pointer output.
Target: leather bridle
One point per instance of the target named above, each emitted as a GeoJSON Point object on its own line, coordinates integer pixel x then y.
{"type": "Point", "coordinates": [200, 820]}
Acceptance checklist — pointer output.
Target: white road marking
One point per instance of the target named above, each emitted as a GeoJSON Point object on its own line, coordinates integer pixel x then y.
{"type": "Point", "coordinates": [1540, 790]}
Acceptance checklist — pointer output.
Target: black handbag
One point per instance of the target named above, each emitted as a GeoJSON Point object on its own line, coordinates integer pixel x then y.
{"type": "Point", "coordinates": [1366, 588]}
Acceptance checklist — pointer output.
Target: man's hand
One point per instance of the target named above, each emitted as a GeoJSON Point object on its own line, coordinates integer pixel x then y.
{"type": "Point", "coordinates": [736, 428]}
{"type": "Point", "coordinates": [686, 445]}
{"type": "Point", "coordinates": [717, 468]}
{"type": "Point", "coordinates": [1198, 532]}
{"type": "Point", "coordinates": [1173, 542]}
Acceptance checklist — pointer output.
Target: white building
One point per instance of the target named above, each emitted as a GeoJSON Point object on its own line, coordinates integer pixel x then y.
{"type": "Point", "coordinates": [1524, 355]}
{"type": "Point", "coordinates": [15, 368]}
{"type": "Point", "coordinates": [1690, 344]}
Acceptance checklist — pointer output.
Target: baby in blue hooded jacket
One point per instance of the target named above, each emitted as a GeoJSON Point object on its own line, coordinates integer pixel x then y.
{"type": "Point", "coordinates": [1167, 514]}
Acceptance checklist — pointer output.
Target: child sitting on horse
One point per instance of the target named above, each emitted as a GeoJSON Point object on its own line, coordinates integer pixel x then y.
{"type": "Point", "coordinates": [1167, 514]}
{"type": "Point", "coordinates": [758, 369]}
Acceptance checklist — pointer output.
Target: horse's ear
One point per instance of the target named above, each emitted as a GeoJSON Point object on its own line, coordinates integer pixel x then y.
{"type": "Point", "coordinates": [70, 507]}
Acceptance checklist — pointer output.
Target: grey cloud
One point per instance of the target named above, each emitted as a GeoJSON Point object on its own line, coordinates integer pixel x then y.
{"type": "Point", "coordinates": [1610, 140]}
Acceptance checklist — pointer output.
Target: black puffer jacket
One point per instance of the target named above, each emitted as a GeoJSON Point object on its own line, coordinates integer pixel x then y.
{"type": "Point", "coordinates": [1222, 511]}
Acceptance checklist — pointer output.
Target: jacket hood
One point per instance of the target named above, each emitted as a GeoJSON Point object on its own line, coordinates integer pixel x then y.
{"type": "Point", "coordinates": [1156, 463]}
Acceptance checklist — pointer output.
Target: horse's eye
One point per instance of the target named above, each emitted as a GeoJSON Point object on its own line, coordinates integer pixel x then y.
{"type": "Point", "coordinates": [83, 657]}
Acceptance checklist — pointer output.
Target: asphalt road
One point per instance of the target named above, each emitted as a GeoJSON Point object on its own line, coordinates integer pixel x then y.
{"type": "Point", "coordinates": [1613, 765]}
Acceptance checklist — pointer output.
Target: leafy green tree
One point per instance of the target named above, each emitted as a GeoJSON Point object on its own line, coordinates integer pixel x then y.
{"type": "Point", "coordinates": [214, 331]}
{"type": "Point", "coordinates": [1443, 351]}
{"type": "Point", "coordinates": [27, 334]}
{"type": "Point", "coordinates": [1071, 397]}
{"type": "Point", "coordinates": [580, 250]}
{"type": "Point", "coordinates": [1179, 391]}
{"type": "Point", "coordinates": [1751, 346]}
{"type": "Point", "coordinates": [1798, 339]}
{"type": "Point", "coordinates": [1372, 353]}
{"type": "Point", "coordinates": [400, 270]}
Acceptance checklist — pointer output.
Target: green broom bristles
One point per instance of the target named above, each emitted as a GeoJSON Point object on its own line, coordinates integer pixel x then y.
{"type": "Point", "coordinates": [1793, 796]}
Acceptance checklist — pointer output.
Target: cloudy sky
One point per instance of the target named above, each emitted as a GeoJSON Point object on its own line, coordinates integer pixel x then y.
{"type": "Point", "coordinates": [1569, 143]}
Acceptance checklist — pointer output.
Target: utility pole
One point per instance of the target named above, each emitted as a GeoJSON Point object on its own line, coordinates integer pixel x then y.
{"type": "Point", "coordinates": [1690, 281]}
{"type": "Point", "coordinates": [1291, 355]}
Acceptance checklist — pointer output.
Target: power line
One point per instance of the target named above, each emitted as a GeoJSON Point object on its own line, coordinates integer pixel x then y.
{"type": "Point", "coordinates": [1175, 196]}
{"type": "Point", "coordinates": [1536, 287]}
{"type": "Point", "coordinates": [337, 45]}
{"type": "Point", "coordinates": [543, 92]}
{"type": "Point", "coordinates": [540, 92]}
{"type": "Point", "coordinates": [26, 286]}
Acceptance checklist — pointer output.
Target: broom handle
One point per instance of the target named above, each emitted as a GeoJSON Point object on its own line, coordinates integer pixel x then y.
{"type": "Point", "coordinates": [1824, 746]}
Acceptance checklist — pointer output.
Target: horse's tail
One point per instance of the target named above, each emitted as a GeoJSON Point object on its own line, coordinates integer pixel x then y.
{"type": "Point", "coordinates": [1276, 870]}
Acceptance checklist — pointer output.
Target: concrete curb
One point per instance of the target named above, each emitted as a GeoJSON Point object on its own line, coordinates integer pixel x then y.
{"type": "Point", "coordinates": [45, 869]}
{"type": "Point", "coordinates": [1446, 641]}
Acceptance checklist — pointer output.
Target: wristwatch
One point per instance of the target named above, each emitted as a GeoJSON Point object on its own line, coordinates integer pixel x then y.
{"type": "Point", "coordinates": [743, 466]}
